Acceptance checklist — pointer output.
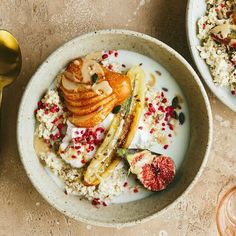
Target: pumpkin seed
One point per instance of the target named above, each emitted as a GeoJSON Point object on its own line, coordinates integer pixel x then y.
{"type": "Point", "coordinates": [116, 109]}
{"type": "Point", "coordinates": [175, 115]}
{"type": "Point", "coordinates": [175, 102]}
{"type": "Point", "coordinates": [94, 78]}
{"type": "Point", "coordinates": [181, 118]}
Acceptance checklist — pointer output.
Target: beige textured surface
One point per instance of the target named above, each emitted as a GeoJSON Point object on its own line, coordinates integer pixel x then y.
{"type": "Point", "coordinates": [41, 26]}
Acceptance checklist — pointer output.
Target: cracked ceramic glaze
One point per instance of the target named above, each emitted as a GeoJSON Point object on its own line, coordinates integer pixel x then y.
{"type": "Point", "coordinates": [42, 26]}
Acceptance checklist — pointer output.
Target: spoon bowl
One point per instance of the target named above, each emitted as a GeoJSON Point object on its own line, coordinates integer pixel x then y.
{"type": "Point", "coordinates": [10, 60]}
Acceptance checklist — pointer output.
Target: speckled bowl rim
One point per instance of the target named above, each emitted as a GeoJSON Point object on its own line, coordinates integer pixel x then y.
{"type": "Point", "coordinates": [200, 86]}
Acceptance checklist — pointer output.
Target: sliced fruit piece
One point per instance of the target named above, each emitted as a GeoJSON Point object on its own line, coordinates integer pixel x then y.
{"type": "Point", "coordinates": [137, 75]}
{"type": "Point", "coordinates": [89, 68]}
{"type": "Point", "coordinates": [103, 156]}
{"type": "Point", "coordinates": [73, 70]}
{"type": "Point", "coordinates": [105, 152]}
{"type": "Point", "coordinates": [94, 56]}
{"type": "Point", "coordinates": [76, 95]}
{"type": "Point", "coordinates": [84, 102]}
{"type": "Point", "coordinates": [93, 118]}
{"type": "Point", "coordinates": [120, 84]}
{"type": "Point", "coordinates": [74, 86]}
{"type": "Point", "coordinates": [68, 84]}
{"type": "Point", "coordinates": [85, 110]}
{"type": "Point", "coordinates": [155, 172]}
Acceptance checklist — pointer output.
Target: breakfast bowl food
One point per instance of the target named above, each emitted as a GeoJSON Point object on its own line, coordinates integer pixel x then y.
{"type": "Point", "coordinates": [211, 27]}
{"type": "Point", "coordinates": [117, 130]}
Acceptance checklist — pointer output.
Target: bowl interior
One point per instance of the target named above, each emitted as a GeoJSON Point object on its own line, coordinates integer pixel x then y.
{"type": "Point", "coordinates": [128, 213]}
{"type": "Point", "coordinates": [197, 9]}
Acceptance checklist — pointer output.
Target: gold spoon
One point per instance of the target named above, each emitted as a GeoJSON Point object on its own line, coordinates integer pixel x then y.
{"type": "Point", "coordinates": [10, 60]}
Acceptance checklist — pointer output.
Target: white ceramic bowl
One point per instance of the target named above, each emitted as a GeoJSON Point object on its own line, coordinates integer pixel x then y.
{"type": "Point", "coordinates": [117, 215]}
{"type": "Point", "coordinates": [196, 9]}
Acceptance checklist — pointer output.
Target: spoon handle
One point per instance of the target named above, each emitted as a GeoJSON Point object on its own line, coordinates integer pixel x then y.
{"type": "Point", "coordinates": [1, 90]}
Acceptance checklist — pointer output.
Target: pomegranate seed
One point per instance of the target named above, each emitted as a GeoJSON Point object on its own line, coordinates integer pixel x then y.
{"type": "Point", "coordinates": [83, 161]}
{"type": "Point", "coordinates": [152, 109]}
{"type": "Point", "coordinates": [169, 135]}
{"type": "Point", "coordinates": [116, 54]}
{"type": "Point", "coordinates": [73, 156]}
{"type": "Point", "coordinates": [171, 127]}
{"type": "Point", "coordinates": [135, 190]}
{"type": "Point", "coordinates": [161, 108]}
{"type": "Point", "coordinates": [40, 104]}
{"type": "Point", "coordinates": [60, 126]}
{"type": "Point", "coordinates": [164, 100]}
{"type": "Point", "coordinates": [104, 204]}
{"type": "Point", "coordinates": [77, 140]}
{"type": "Point", "coordinates": [55, 121]}
{"type": "Point", "coordinates": [125, 184]}
{"type": "Point", "coordinates": [148, 113]}
{"type": "Point", "coordinates": [110, 67]}
{"type": "Point", "coordinates": [166, 146]}
{"type": "Point", "coordinates": [110, 52]}
{"type": "Point", "coordinates": [104, 56]}
{"type": "Point", "coordinates": [96, 201]}
{"type": "Point", "coordinates": [146, 99]}
{"type": "Point", "coordinates": [152, 130]}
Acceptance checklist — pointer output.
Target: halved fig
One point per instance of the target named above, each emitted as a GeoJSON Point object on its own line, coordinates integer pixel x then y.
{"type": "Point", "coordinates": [84, 110]}
{"type": "Point", "coordinates": [154, 171]}
{"type": "Point", "coordinates": [93, 118]}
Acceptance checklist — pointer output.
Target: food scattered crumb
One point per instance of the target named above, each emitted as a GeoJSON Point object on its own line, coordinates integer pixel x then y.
{"type": "Point", "coordinates": [136, 190]}
{"type": "Point", "coordinates": [218, 118]}
{"type": "Point", "coordinates": [158, 72]}
{"type": "Point", "coordinates": [225, 123]}
{"type": "Point", "coordinates": [163, 233]}
{"type": "Point", "coordinates": [89, 227]}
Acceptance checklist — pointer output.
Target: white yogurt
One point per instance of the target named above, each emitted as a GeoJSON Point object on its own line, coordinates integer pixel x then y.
{"type": "Point", "coordinates": [179, 143]}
